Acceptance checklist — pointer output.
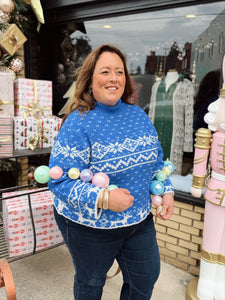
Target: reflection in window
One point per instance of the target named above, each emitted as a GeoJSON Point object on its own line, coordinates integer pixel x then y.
{"type": "Point", "coordinates": [186, 43]}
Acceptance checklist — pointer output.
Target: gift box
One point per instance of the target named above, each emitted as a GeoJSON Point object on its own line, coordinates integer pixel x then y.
{"type": "Point", "coordinates": [17, 222]}
{"type": "Point", "coordinates": [6, 136]}
{"type": "Point", "coordinates": [33, 98]}
{"type": "Point", "coordinates": [12, 39]}
{"type": "Point", "coordinates": [55, 126]}
{"type": "Point", "coordinates": [6, 93]}
{"type": "Point", "coordinates": [33, 133]}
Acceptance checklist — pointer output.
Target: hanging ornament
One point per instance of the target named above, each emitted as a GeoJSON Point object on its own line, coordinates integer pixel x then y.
{"type": "Point", "coordinates": [16, 65]}
{"type": "Point", "coordinates": [4, 16]}
{"type": "Point", "coordinates": [7, 6]}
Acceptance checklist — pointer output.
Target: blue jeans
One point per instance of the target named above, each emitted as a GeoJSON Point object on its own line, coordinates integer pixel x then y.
{"type": "Point", "coordinates": [93, 252]}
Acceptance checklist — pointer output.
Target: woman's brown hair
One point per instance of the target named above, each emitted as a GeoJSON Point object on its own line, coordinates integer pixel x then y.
{"type": "Point", "coordinates": [82, 99]}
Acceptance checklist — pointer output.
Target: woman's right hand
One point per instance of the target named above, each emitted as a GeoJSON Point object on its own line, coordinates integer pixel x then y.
{"type": "Point", "coordinates": [120, 200]}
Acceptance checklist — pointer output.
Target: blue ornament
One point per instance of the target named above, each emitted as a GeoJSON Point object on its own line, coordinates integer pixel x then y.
{"type": "Point", "coordinates": [41, 174]}
{"type": "Point", "coordinates": [156, 187]}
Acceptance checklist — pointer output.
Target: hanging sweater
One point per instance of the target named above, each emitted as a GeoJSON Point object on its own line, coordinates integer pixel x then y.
{"type": "Point", "coordinates": [117, 140]}
{"type": "Point", "coordinates": [182, 118]}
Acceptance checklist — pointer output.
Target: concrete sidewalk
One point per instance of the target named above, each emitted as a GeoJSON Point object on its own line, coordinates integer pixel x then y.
{"type": "Point", "coordinates": [49, 276]}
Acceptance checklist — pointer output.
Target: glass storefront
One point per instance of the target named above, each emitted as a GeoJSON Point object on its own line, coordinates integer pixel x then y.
{"type": "Point", "coordinates": [170, 54]}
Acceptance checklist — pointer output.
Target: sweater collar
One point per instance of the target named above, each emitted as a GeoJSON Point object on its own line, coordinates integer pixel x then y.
{"type": "Point", "coordinates": [109, 108]}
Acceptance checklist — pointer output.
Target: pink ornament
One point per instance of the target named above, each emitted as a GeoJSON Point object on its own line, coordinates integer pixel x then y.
{"type": "Point", "coordinates": [56, 172]}
{"type": "Point", "coordinates": [156, 200]}
{"type": "Point", "coordinates": [100, 179]}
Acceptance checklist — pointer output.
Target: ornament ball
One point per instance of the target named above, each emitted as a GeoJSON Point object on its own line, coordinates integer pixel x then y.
{"type": "Point", "coordinates": [86, 175]}
{"type": "Point", "coordinates": [100, 179]}
{"type": "Point", "coordinates": [56, 172]}
{"type": "Point", "coordinates": [41, 174]}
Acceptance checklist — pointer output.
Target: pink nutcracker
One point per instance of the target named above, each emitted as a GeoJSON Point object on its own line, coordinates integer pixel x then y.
{"type": "Point", "coordinates": [211, 282]}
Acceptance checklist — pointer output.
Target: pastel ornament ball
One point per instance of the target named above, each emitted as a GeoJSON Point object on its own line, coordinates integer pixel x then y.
{"type": "Point", "coordinates": [169, 164]}
{"type": "Point", "coordinates": [86, 175]}
{"type": "Point", "coordinates": [41, 174]}
{"type": "Point", "coordinates": [112, 187]}
{"type": "Point", "coordinates": [74, 173]}
{"type": "Point", "coordinates": [56, 172]}
{"type": "Point", "coordinates": [100, 179]}
{"type": "Point", "coordinates": [156, 187]}
{"type": "Point", "coordinates": [156, 200]}
{"type": "Point", "coordinates": [161, 176]}
{"type": "Point", "coordinates": [166, 170]}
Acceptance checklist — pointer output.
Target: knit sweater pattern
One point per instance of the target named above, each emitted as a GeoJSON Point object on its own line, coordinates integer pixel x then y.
{"type": "Point", "coordinates": [117, 140]}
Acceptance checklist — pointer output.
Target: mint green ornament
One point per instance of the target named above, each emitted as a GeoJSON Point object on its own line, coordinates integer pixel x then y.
{"type": "Point", "coordinates": [112, 187]}
{"type": "Point", "coordinates": [41, 174]}
{"type": "Point", "coordinates": [161, 176]}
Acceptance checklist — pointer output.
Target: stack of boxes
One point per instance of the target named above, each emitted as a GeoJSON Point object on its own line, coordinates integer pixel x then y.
{"type": "Point", "coordinates": [26, 108]}
{"type": "Point", "coordinates": [26, 122]}
{"type": "Point", "coordinates": [22, 238]}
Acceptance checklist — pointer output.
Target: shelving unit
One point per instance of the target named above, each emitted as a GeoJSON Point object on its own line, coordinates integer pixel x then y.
{"type": "Point", "coordinates": [18, 154]}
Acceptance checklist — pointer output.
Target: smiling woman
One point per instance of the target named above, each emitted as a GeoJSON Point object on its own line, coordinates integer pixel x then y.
{"type": "Point", "coordinates": [109, 79]}
{"type": "Point", "coordinates": [105, 134]}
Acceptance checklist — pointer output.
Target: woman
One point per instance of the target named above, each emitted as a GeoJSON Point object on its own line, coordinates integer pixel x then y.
{"type": "Point", "coordinates": [106, 133]}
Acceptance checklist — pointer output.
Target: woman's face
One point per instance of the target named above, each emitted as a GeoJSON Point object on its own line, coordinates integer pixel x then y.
{"type": "Point", "coordinates": [108, 81]}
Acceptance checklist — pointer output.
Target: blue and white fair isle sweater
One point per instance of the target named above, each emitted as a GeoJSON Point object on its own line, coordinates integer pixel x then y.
{"type": "Point", "coordinates": [117, 140]}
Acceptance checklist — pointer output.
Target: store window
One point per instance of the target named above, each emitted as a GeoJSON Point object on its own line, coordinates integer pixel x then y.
{"type": "Point", "coordinates": [169, 52]}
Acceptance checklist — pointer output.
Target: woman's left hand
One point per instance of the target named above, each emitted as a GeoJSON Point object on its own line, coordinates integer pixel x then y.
{"type": "Point", "coordinates": [166, 210]}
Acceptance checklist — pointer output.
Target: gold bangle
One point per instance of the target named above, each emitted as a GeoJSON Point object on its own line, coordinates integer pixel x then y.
{"type": "Point", "coordinates": [106, 200]}
{"type": "Point", "coordinates": [100, 199]}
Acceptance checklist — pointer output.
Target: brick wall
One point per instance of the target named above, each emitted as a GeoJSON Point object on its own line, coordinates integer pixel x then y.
{"type": "Point", "coordinates": [180, 237]}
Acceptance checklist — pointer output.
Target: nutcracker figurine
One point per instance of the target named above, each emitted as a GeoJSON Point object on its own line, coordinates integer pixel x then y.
{"type": "Point", "coordinates": [211, 282]}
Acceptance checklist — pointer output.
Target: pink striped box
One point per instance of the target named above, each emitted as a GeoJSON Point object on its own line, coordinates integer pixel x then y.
{"type": "Point", "coordinates": [33, 98]}
{"type": "Point", "coordinates": [18, 226]}
{"type": "Point", "coordinates": [6, 94]}
{"type": "Point", "coordinates": [6, 136]}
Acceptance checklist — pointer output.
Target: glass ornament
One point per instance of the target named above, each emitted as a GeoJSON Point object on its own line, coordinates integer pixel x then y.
{"type": "Point", "coordinates": [16, 65]}
{"type": "Point", "coordinates": [74, 173]}
{"type": "Point", "coordinates": [161, 176]}
{"type": "Point", "coordinates": [112, 187]}
{"type": "Point", "coordinates": [168, 163]}
{"type": "Point", "coordinates": [7, 6]}
{"type": "Point", "coordinates": [100, 179]}
{"type": "Point", "coordinates": [156, 200]}
{"type": "Point", "coordinates": [156, 187]}
{"type": "Point", "coordinates": [41, 174]}
{"type": "Point", "coordinates": [86, 175]}
{"type": "Point", "coordinates": [167, 170]}
{"type": "Point", "coordinates": [56, 172]}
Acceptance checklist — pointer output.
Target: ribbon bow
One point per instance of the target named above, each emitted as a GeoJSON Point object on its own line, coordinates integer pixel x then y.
{"type": "Point", "coordinates": [32, 110]}
{"type": "Point", "coordinates": [34, 141]}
